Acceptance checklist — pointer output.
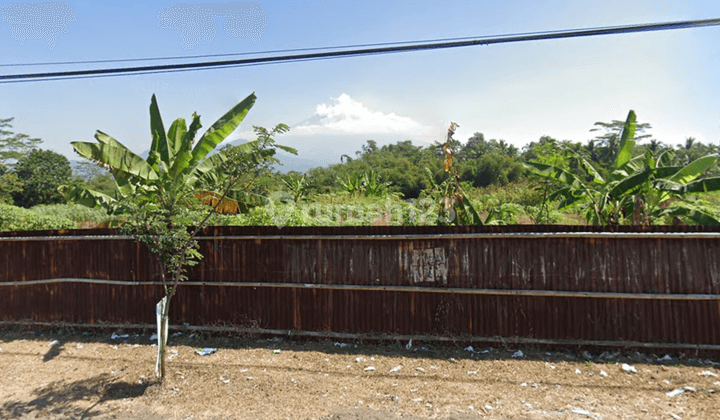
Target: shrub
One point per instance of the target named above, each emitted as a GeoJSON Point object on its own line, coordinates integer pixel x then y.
{"type": "Point", "coordinates": [16, 218]}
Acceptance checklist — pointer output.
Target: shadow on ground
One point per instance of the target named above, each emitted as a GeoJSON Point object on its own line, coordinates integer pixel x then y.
{"type": "Point", "coordinates": [78, 400]}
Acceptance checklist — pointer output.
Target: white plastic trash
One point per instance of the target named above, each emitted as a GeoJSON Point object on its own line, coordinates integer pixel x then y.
{"type": "Point", "coordinates": [628, 368]}
{"type": "Point", "coordinates": [675, 392]}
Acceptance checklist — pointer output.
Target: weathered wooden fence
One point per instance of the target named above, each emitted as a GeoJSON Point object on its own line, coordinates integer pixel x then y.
{"type": "Point", "coordinates": [651, 285]}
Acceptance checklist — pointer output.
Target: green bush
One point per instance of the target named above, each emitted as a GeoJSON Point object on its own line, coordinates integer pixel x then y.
{"type": "Point", "coordinates": [17, 218]}
{"type": "Point", "coordinates": [75, 212]}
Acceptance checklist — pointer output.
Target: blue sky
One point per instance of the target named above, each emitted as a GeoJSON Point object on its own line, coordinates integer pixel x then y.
{"type": "Point", "coordinates": [516, 92]}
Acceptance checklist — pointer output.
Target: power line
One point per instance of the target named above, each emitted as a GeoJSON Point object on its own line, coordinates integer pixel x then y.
{"type": "Point", "coordinates": [337, 47]}
{"type": "Point", "coordinates": [373, 50]}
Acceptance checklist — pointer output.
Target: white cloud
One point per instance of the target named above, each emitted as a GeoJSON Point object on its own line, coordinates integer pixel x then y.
{"type": "Point", "coordinates": [348, 116]}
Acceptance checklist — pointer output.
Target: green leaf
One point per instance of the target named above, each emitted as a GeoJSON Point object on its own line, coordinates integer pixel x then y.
{"type": "Point", "coordinates": [697, 215]}
{"type": "Point", "coordinates": [553, 172]}
{"type": "Point", "coordinates": [176, 136]}
{"type": "Point", "coordinates": [702, 185]}
{"type": "Point", "coordinates": [89, 198]}
{"type": "Point", "coordinates": [665, 158]}
{"type": "Point", "coordinates": [184, 154]}
{"type": "Point", "coordinates": [106, 139]}
{"type": "Point", "coordinates": [472, 215]}
{"type": "Point", "coordinates": [287, 149]}
{"type": "Point", "coordinates": [116, 157]}
{"type": "Point", "coordinates": [694, 169]}
{"type": "Point", "coordinates": [596, 177]}
{"type": "Point", "coordinates": [631, 183]}
{"type": "Point", "coordinates": [221, 129]}
{"type": "Point", "coordinates": [159, 148]}
{"type": "Point", "coordinates": [667, 185]}
{"type": "Point", "coordinates": [626, 141]}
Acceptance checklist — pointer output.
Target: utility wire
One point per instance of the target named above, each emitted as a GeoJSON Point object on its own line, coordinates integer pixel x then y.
{"type": "Point", "coordinates": [403, 47]}
{"type": "Point", "coordinates": [337, 47]}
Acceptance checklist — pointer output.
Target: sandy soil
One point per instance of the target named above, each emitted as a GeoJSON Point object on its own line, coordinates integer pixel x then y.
{"type": "Point", "coordinates": [91, 376]}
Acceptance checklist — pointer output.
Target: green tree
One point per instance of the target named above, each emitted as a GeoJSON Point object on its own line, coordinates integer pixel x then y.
{"type": "Point", "coordinates": [9, 184]}
{"type": "Point", "coordinates": [14, 146]}
{"type": "Point", "coordinates": [42, 172]}
{"type": "Point", "coordinates": [164, 194]}
{"type": "Point", "coordinates": [635, 187]}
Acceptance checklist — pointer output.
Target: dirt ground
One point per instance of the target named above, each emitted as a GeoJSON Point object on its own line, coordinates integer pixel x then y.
{"type": "Point", "coordinates": [61, 375]}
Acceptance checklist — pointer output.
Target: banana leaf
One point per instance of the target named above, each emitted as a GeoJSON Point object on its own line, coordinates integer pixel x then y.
{"type": "Point", "coordinates": [117, 157]}
{"type": "Point", "coordinates": [553, 172]}
{"type": "Point", "coordinates": [694, 169]}
{"type": "Point", "coordinates": [159, 148]}
{"type": "Point", "coordinates": [702, 185]}
{"type": "Point", "coordinates": [184, 154]}
{"type": "Point", "coordinates": [221, 129]}
{"type": "Point", "coordinates": [627, 144]}
{"type": "Point", "coordinates": [631, 183]}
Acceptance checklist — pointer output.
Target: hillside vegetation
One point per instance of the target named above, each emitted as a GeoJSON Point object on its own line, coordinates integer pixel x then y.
{"type": "Point", "coordinates": [620, 176]}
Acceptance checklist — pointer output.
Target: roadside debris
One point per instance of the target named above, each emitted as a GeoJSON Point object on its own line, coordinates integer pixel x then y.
{"type": "Point", "coordinates": [206, 351]}
{"type": "Point", "coordinates": [395, 369]}
{"type": "Point", "coordinates": [707, 373]}
{"type": "Point", "coordinates": [117, 337]}
{"type": "Point", "coordinates": [342, 345]}
{"type": "Point", "coordinates": [679, 391]}
{"type": "Point", "coordinates": [470, 349]}
{"type": "Point", "coordinates": [628, 368]}
{"type": "Point", "coordinates": [54, 343]}
{"type": "Point", "coordinates": [518, 353]}
{"type": "Point", "coordinates": [369, 369]}
{"type": "Point", "coordinates": [409, 345]}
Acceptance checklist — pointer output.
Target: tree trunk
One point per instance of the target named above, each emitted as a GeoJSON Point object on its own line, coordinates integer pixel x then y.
{"type": "Point", "coordinates": [161, 310]}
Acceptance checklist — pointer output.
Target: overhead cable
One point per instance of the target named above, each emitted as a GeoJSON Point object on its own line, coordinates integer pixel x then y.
{"type": "Point", "coordinates": [374, 50]}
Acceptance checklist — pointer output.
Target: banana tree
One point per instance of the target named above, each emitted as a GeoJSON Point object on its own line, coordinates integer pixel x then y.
{"type": "Point", "coordinates": [635, 188]}
{"type": "Point", "coordinates": [160, 193]}
{"type": "Point", "coordinates": [175, 163]}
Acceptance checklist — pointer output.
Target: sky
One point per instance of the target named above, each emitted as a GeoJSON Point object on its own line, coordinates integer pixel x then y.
{"type": "Point", "coordinates": [517, 92]}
